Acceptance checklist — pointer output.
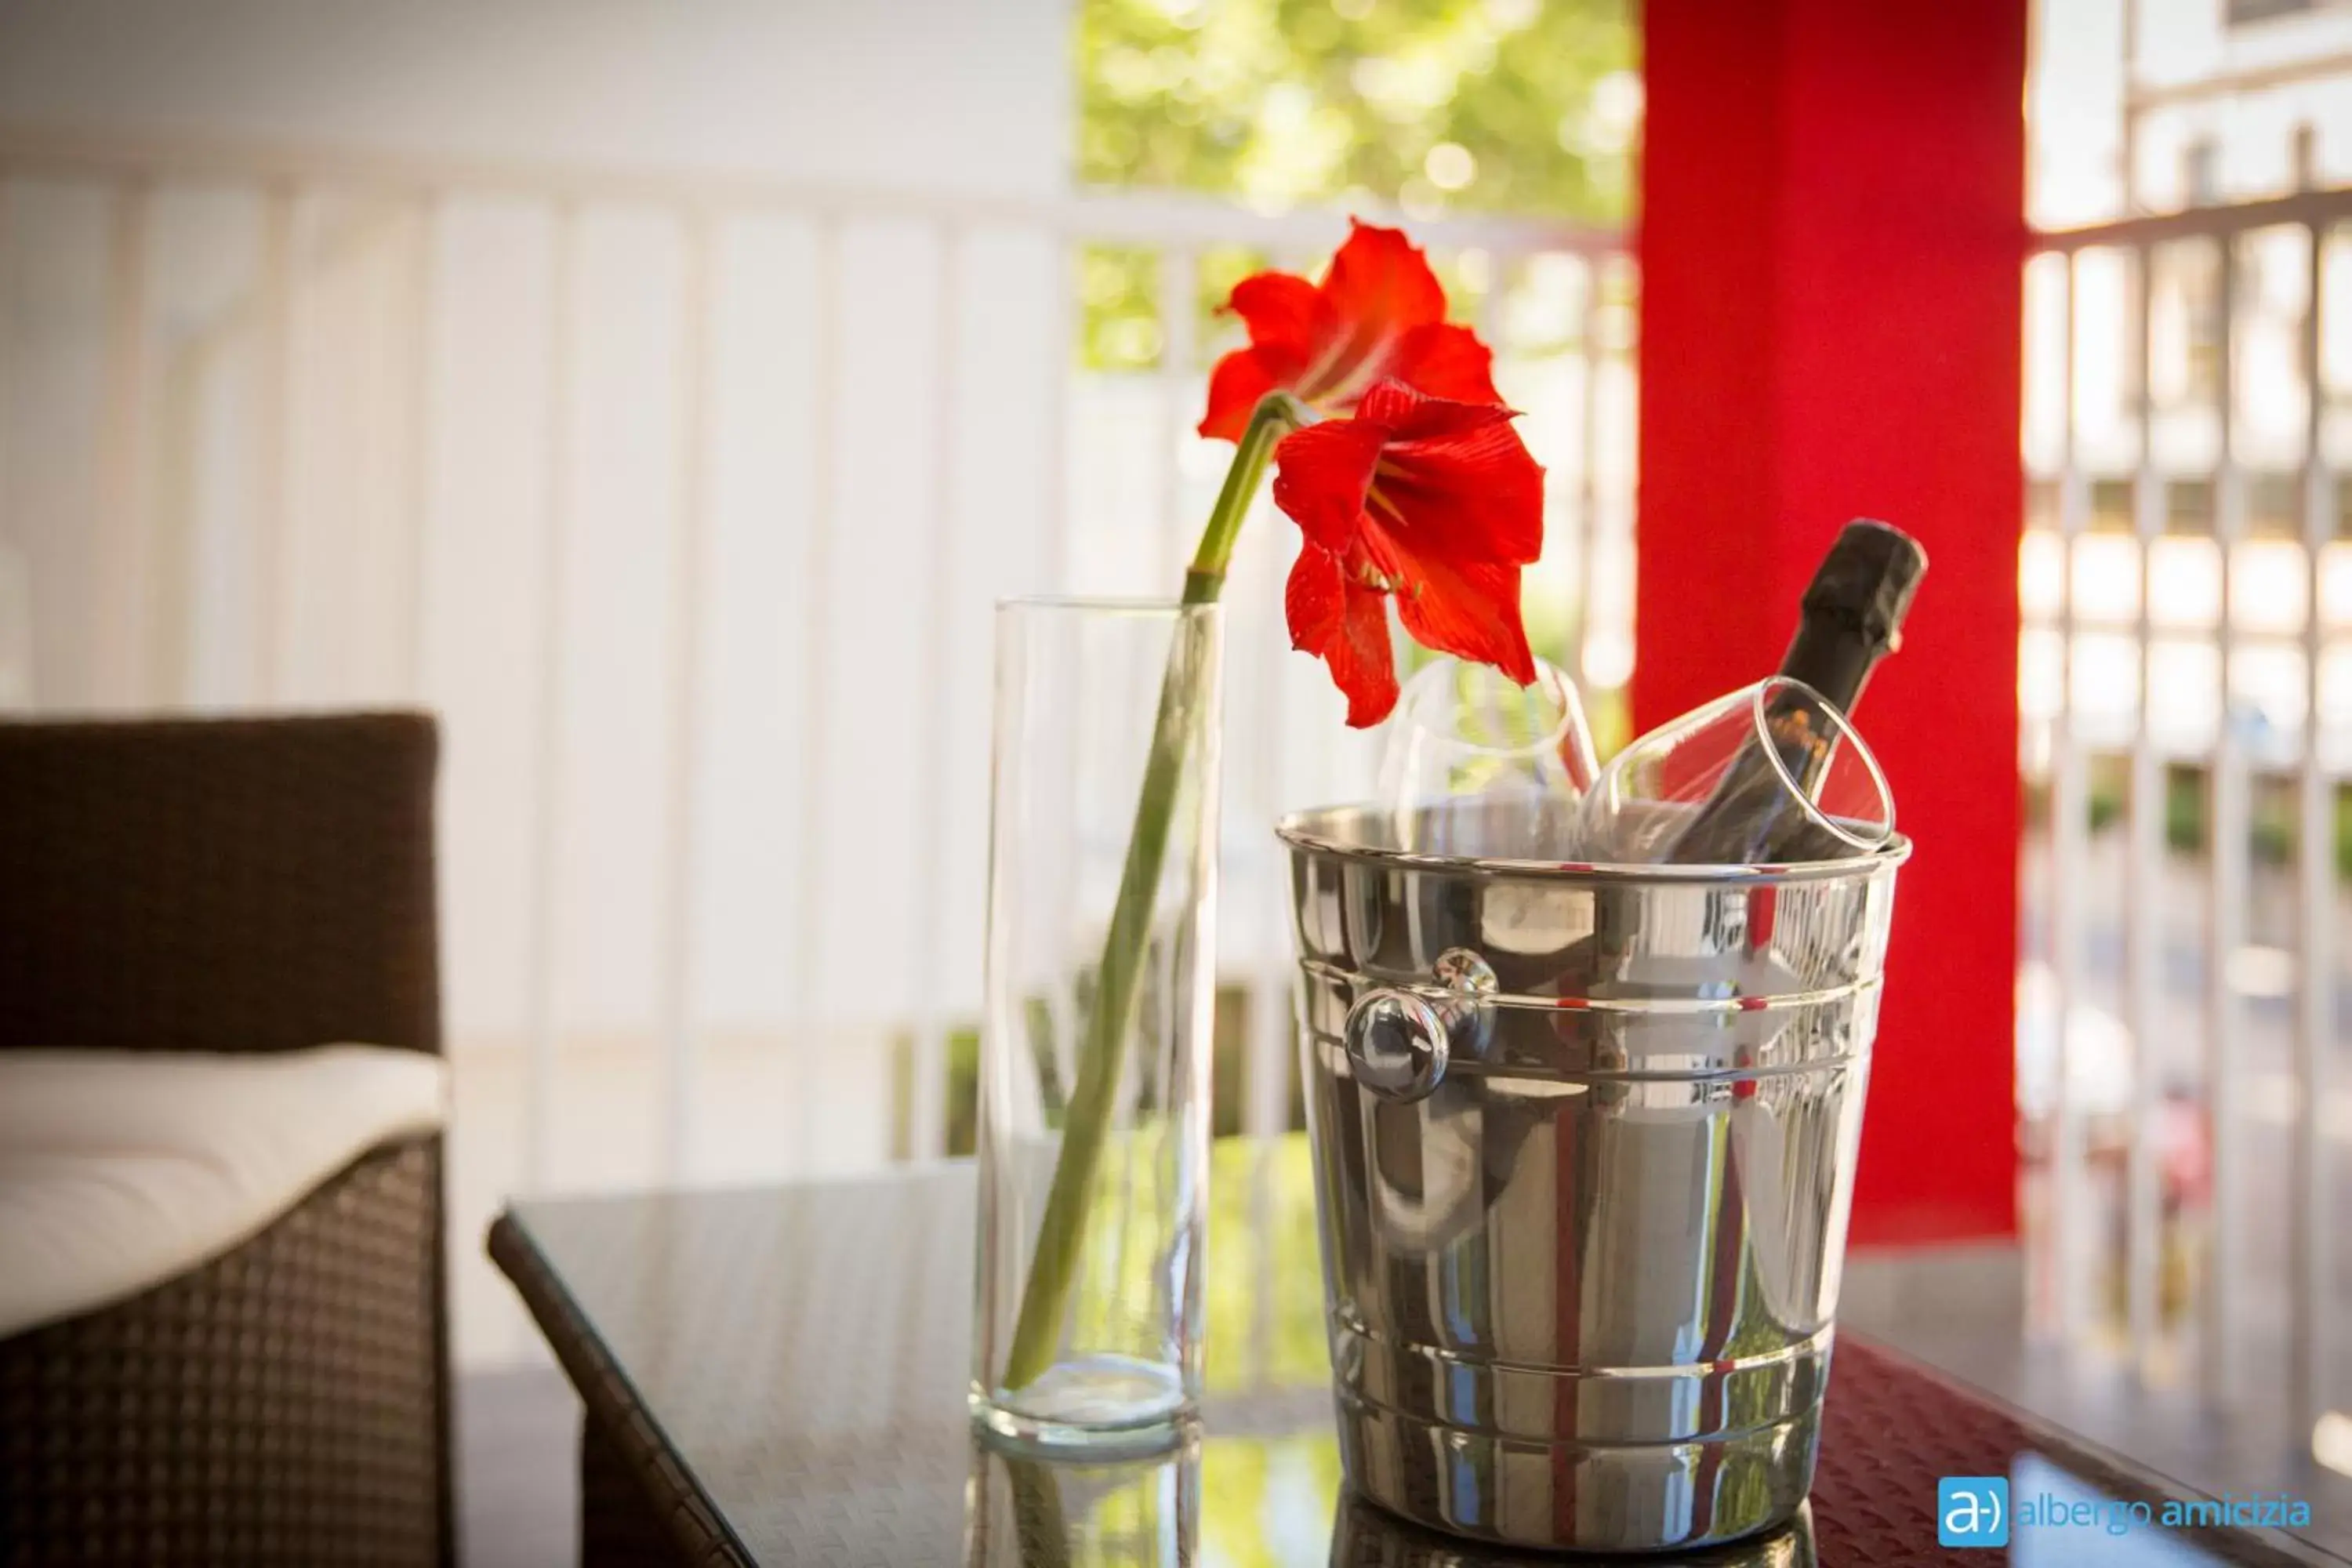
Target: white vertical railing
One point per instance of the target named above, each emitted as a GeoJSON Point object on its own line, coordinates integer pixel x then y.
{"type": "Point", "coordinates": [1178, 350]}
{"type": "Point", "coordinates": [273, 462]}
{"type": "Point", "coordinates": [690, 525]}
{"type": "Point", "coordinates": [2143, 863]}
{"type": "Point", "coordinates": [927, 1082]}
{"type": "Point", "coordinates": [2068, 812]}
{"type": "Point", "coordinates": [816, 654]}
{"type": "Point", "coordinates": [1587, 497]}
{"type": "Point", "coordinates": [422, 313]}
{"type": "Point", "coordinates": [273, 327]}
{"type": "Point", "coordinates": [2312, 1242]}
{"type": "Point", "coordinates": [123, 464]}
{"type": "Point", "coordinates": [547, 760]}
{"type": "Point", "coordinates": [17, 636]}
{"type": "Point", "coordinates": [2226, 838]}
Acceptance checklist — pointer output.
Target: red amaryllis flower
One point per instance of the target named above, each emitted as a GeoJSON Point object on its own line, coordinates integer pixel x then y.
{"type": "Point", "coordinates": [1378, 314]}
{"type": "Point", "coordinates": [1432, 501]}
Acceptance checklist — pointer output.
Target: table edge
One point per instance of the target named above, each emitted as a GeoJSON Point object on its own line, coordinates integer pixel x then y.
{"type": "Point", "coordinates": [611, 1400]}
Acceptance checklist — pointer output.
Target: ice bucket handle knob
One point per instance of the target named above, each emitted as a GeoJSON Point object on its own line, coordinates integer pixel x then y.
{"type": "Point", "coordinates": [1397, 1044]}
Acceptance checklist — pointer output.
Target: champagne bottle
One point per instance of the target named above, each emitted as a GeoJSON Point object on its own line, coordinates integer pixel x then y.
{"type": "Point", "coordinates": [1852, 617]}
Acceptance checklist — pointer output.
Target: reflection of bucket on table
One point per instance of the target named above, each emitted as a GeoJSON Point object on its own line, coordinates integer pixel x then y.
{"type": "Point", "coordinates": [1363, 1536]}
{"type": "Point", "coordinates": [1585, 1143]}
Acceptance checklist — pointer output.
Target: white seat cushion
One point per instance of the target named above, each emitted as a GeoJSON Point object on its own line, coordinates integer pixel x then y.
{"type": "Point", "coordinates": [122, 1169]}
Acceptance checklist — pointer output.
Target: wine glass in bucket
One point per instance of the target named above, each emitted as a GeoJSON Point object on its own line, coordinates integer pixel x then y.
{"type": "Point", "coordinates": [1474, 763]}
{"type": "Point", "coordinates": [1769, 774]}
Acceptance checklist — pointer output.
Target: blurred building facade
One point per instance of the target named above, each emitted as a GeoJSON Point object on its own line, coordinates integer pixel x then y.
{"type": "Point", "coordinates": [2186, 691]}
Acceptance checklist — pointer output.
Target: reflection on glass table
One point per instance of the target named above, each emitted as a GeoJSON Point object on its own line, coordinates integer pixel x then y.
{"type": "Point", "coordinates": [1282, 1504]}
{"type": "Point", "coordinates": [1029, 1513]}
{"type": "Point", "coordinates": [777, 1376]}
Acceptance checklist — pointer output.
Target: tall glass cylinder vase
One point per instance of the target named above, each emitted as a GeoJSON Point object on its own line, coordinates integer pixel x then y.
{"type": "Point", "coordinates": [1095, 1048]}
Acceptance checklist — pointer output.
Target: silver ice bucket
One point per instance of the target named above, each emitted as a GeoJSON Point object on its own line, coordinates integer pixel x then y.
{"type": "Point", "coordinates": [1584, 1143]}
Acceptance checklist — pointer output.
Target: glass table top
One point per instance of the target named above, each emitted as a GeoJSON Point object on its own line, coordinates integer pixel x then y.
{"type": "Point", "coordinates": [799, 1354]}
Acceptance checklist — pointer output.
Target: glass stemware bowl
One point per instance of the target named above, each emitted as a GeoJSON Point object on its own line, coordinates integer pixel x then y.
{"type": "Point", "coordinates": [1476, 763]}
{"type": "Point", "coordinates": [1769, 774]}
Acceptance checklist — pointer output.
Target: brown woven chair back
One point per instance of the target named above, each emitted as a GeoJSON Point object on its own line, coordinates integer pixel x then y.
{"type": "Point", "coordinates": [235, 885]}
{"type": "Point", "coordinates": [228, 885]}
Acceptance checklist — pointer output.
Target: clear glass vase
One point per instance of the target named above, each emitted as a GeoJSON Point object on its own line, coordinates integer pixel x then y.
{"type": "Point", "coordinates": [1095, 1048]}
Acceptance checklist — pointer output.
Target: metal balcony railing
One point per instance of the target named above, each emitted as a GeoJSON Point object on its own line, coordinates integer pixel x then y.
{"type": "Point", "coordinates": [2188, 407]}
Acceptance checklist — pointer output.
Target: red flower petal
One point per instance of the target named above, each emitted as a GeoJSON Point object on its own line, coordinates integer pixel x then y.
{"type": "Point", "coordinates": [1284, 311]}
{"type": "Point", "coordinates": [1413, 415]}
{"type": "Point", "coordinates": [1347, 626]}
{"type": "Point", "coordinates": [1379, 312]}
{"type": "Point", "coordinates": [1453, 478]}
{"type": "Point", "coordinates": [1289, 324]}
{"type": "Point", "coordinates": [1445, 360]}
{"type": "Point", "coordinates": [1380, 286]}
{"type": "Point", "coordinates": [1434, 500]}
{"type": "Point", "coordinates": [1241, 379]}
{"type": "Point", "coordinates": [1322, 474]}
{"type": "Point", "coordinates": [1469, 609]}
{"type": "Point", "coordinates": [1312, 602]}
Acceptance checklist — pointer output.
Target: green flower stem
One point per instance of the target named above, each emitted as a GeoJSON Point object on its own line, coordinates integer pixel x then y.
{"type": "Point", "coordinates": [1277, 415]}
{"type": "Point", "coordinates": [1044, 1299]}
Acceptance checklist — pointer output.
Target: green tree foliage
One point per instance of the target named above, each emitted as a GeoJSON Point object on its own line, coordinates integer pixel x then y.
{"type": "Point", "coordinates": [1426, 106]}
{"type": "Point", "coordinates": [1485, 105]}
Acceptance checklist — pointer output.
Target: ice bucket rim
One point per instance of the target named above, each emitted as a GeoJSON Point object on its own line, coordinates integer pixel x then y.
{"type": "Point", "coordinates": [1312, 831]}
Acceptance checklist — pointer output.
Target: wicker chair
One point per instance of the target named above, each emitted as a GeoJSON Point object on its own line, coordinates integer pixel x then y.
{"type": "Point", "coordinates": [235, 885]}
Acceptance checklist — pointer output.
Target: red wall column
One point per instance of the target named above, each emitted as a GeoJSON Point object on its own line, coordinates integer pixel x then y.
{"type": "Point", "coordinates": [1832, 237]}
